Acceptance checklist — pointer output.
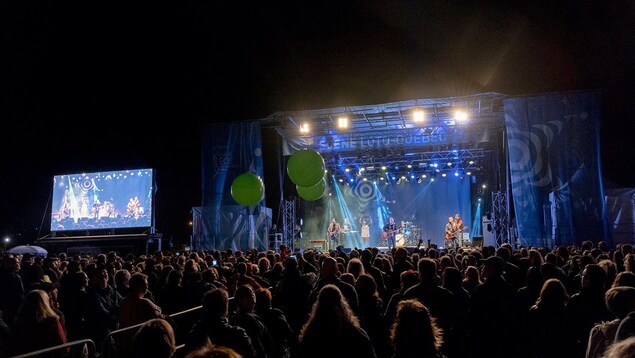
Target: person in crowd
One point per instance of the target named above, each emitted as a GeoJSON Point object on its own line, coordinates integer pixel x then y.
{"type": "Point", "coordinates": [332, 317]}
{"type": "Point", "coordinates": [624, 278]}
{"type": "Point", "coordinates": [215, 327]}
{"type": "Point", "coordinates": [134, 308]}
{"type": "Point", "coordinates": [408, 279]}
{"type": "Point", "coordinates": [284, 341]}
{"type": "Point", "coordinates": [492, 308]}
{"type": "Point", "coordinates": [330, 276]}
{"type": "Point", "coordinates": [622, 349]}
{"type": "Point", "coordinates": [471, 278]}
{"type": "Point", "coordinates": [155, 338]}
{"type": "Point", "coordinates": [439, 300]}
{"type": "Point", "coordinates": [11, 288]}
{"type": "Point", "coordinates": [36, 326]}
{"type": "Point", "coordinates": [549, 335]}
{"type": "Point", "coordinates": [102, 310]}
{"type": "Point", "coordinates": [587, 307]}
{"type": "Point", "coordinates": [292, 293]}
{"type": "Point", "coordinates": [370, 317]}
{"type": "Point", "coordinates": [452, 281]}
{"type": "Point", "coordinates": [208, 350]}
{"type": "Point", "coordinates": [415, 333]}
{"type": "Point", "coordinates": [620, 300]}
{"type": "Point", "coordinates": [122, 282]}
{"type": "Point", "coordinates": [261, 340]}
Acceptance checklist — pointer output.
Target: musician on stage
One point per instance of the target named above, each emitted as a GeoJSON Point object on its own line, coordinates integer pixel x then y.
{"type": "Point", "coordinates": [458, 223]}
{"type": "Point", "coordinates": [390, 229]}
{"type": "Point", "coordinates": [451, 242]}
{"type": "Point", "coordinates": [333, 233]}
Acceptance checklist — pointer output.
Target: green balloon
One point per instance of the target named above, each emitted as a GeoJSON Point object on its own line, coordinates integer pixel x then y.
{"type": "Point", "coordinates": [248, 189]}
{"type": "Point", "coordinates": [312, 193]}
{"type": "Point", "coordinates": [305, 167]}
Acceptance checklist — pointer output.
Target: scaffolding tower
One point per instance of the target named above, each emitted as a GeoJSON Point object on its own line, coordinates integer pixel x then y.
{"type": "Point", "coordinates": [288, 223]}
{"type": "Point", "coordinates": [500, 218]}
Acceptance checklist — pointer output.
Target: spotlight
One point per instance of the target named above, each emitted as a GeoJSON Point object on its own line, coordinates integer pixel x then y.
{"type": "Point", "coordinates": [412, 176]}
{"type": "Point", "coordinates": [424, 176]}
{"type": "Point", "coordinates": [304, 128]}
{"type": "Point", "coordinates": [418, 116]}
{"type": "Point", "coordinates": [431, 179]}
{"type": "Point", "coordinates": [342, 122]}
{"type": "Point", "coordinates": [456, 174]}
{"type": "Point", "coordinates": [443, 175]}
{"type": "Point", "coordinates": [460, 116]}
{"type": "Point", "coordinates": [383, 167]}
{"type": "Point", "coordinates": [341, 180]}
{"type": "Point", "coordinates": [409, 166]}
{"type": "Point", "coordinates": [352, 180]}
{"type": "Point", "coordinates": [469, 173]}
{"type": "Point", "coordinates": [347, 170]}
{"type": "Point", "coordinates": [381, 178]}
{"type": "Point", "coordinates": [484, 186]}
{"type": "Point", "coordinates": [364, 179]}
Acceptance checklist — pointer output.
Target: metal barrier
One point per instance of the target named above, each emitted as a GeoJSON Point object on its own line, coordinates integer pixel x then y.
{"type": "Point", "coordinates": [89, 344]}
{"type": "Point", "coordinates": [123, 336]}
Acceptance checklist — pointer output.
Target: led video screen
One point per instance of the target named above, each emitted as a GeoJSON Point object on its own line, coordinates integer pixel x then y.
{"type": "Point", "coordinates": [103, 200]}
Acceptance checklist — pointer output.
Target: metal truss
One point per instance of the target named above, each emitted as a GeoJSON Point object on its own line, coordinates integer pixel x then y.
{"type": "Point", "coordinates": [500, 218]}
{"type": "Point", "coordinates": [288, 223]}
{"type": "Point", "coordinates": [376, 164]}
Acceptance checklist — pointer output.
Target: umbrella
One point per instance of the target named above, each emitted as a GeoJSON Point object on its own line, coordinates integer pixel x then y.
{"type": "Point", "coordinates": [28, 249]}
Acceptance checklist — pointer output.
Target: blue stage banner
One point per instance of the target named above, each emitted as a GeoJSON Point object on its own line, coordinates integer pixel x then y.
{"type": "Point", "coordinates": [228, 150]}
{"type": "Point", "coordinates": [554, 157]}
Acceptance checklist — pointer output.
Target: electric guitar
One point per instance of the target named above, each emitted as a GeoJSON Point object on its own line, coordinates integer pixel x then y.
{"type": "Point", "coordinates": [386, 233]}
{"type": "Point", "coordinates": [450, 234]}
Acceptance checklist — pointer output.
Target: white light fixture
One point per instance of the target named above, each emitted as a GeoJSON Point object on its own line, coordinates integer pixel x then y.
{"type": "Point", "coordinates": [342, 122]}
{"type": "Point", "coordinates": [460, 116]}
{"type": "Point", "coordinates": [418, 116]}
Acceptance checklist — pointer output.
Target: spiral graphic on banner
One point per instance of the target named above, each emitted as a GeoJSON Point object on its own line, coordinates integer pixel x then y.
{"type": "Point", "coordinates": [364, 192]}
{"type": "Point", "coordinates": [528, 152]}
{"type": "Point", "coordinates": [87, 184]}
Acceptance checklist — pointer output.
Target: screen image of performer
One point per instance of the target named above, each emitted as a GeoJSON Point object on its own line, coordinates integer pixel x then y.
{"type": "Point", "coordinates": [365, 233]}
{"type": "Point", "coordinates": [390, 229]}
{"type": "Point", "coordinates": [451, 242]}
{"type": "Point", "coordinates": [333, 233]}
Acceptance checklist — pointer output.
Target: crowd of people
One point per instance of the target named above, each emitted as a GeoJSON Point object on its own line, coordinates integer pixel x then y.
{"type": "Point", "coordinates": [576, 301]}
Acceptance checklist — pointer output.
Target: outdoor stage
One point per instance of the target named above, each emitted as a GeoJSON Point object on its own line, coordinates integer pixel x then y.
{"type": "Point", "coordinates": [519, 170]}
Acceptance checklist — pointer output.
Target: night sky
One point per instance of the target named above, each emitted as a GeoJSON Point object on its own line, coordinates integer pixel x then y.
{"type": "Point", "coordinates": [88, 86]}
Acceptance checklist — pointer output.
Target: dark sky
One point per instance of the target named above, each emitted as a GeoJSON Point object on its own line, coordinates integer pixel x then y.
{"type": "Point", "coordinates": [91, 86]}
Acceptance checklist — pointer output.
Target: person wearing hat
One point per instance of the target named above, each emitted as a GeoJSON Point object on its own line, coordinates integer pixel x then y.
{"type": "Point", "coordinates": [493, 310]}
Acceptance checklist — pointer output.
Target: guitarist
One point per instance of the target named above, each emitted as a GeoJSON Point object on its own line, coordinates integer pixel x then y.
{"type": "Point", "coordinates": [333, 233]}
{"type": "Point", "coordinates": [390, 229]}
{"type": "Point", "coordinates": [451, 242]}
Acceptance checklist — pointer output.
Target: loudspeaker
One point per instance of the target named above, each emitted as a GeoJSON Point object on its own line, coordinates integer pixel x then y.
{"type": "Point", "coordinates": [477, 242]}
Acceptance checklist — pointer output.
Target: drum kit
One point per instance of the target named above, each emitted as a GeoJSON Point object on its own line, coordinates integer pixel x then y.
{"type": "Point", "coordinates": [409, 234]}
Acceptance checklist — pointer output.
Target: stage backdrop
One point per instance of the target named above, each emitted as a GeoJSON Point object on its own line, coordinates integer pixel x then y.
{"type": "Point", "coordinates": [423, 207]}
{"type": "Point", "coordinates": [554, 154]}
{"type": "Point", "coordinates": [228, 150]}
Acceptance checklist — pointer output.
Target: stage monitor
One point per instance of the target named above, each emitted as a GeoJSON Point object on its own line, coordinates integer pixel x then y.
{"type": "Point", "coordinates": [104, 200]}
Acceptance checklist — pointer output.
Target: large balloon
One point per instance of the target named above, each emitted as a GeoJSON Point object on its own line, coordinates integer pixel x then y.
{"type": "Point", "coordinates": [247, 189]}
{"type": "Point", "coordinates": [305, 167]}
{"type": "Point", "coordinates": [312, 193]}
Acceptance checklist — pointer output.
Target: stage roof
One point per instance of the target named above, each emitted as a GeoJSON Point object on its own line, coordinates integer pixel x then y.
{"type": "Point", "coordinates": [389, 133]}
